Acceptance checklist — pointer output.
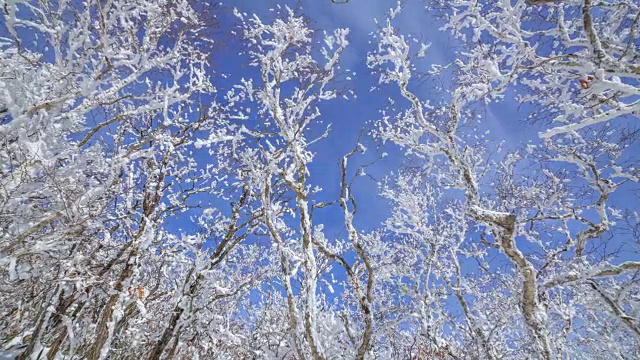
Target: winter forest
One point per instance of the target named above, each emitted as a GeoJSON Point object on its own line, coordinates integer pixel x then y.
{"type": "Point", "coordinates": [327, 179]}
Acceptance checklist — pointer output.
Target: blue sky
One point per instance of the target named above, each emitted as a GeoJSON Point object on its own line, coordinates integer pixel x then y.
{"type": "Point", "coordinates": [505, 120]}
{"type": "Point", "coordinates": [348, 117]}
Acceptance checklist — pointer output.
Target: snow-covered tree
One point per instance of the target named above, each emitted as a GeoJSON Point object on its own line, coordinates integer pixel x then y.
{"type": "Point", "coordinates": [153, 206]}
{"type": "Point", "coordinates": [549, 209]}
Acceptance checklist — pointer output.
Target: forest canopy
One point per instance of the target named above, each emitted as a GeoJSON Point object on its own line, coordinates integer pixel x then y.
{"type": "Point", "coordinates": [443, 180]}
